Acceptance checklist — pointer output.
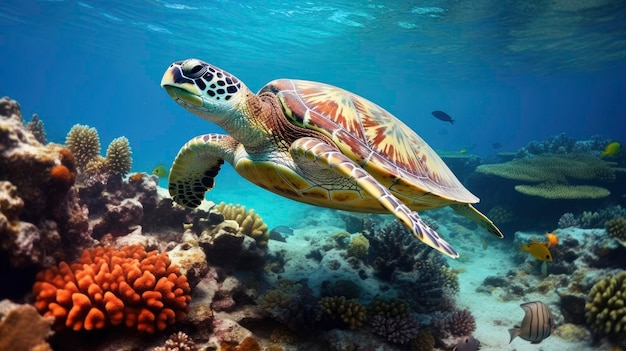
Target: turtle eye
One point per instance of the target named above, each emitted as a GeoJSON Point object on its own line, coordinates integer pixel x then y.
{"type": "Point", "coordinates": [193, 68]}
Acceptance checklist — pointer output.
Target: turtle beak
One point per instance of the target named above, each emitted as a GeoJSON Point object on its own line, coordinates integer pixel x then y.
{"type": "Point", "coordinates": [180, 88]}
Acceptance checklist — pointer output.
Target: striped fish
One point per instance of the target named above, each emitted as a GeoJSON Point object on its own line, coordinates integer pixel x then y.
{"type": "Point", "coordinates": [536, 325]}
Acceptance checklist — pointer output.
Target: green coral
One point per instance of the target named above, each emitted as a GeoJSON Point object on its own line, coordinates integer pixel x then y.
{"type": "Point", "coordinates": [84, 143]}
{"type": "Point", "coordinates": [616, 228]}
{"type": "Point", "coordinates": [388, 307]}
{"type": "Point", "coordinates": [341, 312]}
{"type": "Point", "coordinates": [118, 160]}
{"type": "Point", "coordinates": [424, 341]}
{"type": "Point", "coordinates": [563, 191]}
{"type": "Point", "coordinates": [605, 309]}
{"type": "Point", "coordinates": [250, 223]}
{"type": "Point", "coordinates": [359, 247]}
{"type": "Point", "coordinates": [551, 168]}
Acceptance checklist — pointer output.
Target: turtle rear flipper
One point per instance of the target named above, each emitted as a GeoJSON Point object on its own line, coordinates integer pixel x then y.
{"type": "Point", "coordinates": [197, 164]}
{"type": "Point", "coordinates": [327, 156]}
{"type": "Point", "coordinates": [470, 212]}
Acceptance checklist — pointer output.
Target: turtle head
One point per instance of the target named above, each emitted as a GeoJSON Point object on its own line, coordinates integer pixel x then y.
{"type": "Point", "coordinates": [203, 89]}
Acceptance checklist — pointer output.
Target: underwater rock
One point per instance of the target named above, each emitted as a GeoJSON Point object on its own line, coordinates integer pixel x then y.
{"type": "Point", "coordinates": [226, 245]}
{"type": "Point", "coordinates": [118, 220]}
{"type": "Point", "coordinates": [22, 328]}
{"type": "Point", "coordinates": [190, 258]}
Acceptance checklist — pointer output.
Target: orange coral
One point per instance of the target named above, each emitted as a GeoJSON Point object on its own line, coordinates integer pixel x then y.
{"type": "Point", "coordinates": [136, 178]}
{"type": "Point", "coordinates": [247, 344]}
{"type": "Point", "coordinates": [128, 287]}
{"type": "Point", "coordinates": [61, 175]}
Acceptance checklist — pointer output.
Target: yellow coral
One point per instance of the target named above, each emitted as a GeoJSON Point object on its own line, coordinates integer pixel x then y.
{"type": "Point", "coordinates": [359, 246]}
{"type": "Point", "coordinates": [250, 223]}
{"type": "Point", "coordinates": [337, 308]}
{"type": "Point", "coordinates": [606, 308]}
{"type": "Point", "coordinates": [388, 307]}
{"type": "Point", "coordinates": [118, 160]}
{"type": "Point", "coordinates": [563, 191]}
{"type": "Point", "coordinates": [84, 143]}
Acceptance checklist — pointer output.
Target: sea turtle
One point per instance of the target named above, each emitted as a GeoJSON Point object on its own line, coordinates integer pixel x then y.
{"type": "Point", "coordinates": [313, 143]}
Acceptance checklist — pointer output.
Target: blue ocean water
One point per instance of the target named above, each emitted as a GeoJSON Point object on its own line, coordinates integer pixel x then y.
{"type": "Point", "coordinates": [508, 72]}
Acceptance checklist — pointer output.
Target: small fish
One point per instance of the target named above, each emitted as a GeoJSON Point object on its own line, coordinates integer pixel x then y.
{"type": "Point", "coordinates": [463, 151]}
{"type": "Point", "coordinates": [538, 250]}
{"type": "Point", "coordinates": [552, 240]}
{"type": "Point", "coordinates": [610, 150]}
{"type": "Point", "coordinates": [496, 146]}
{"type": "Point", "coordinates": [160, 171]}
{"type": "Point", "coordinates": [442, 116]}
{"type": "Point", "coordinates": [468, 343]}
{"type": "Point", "coordinates": [537, 324]}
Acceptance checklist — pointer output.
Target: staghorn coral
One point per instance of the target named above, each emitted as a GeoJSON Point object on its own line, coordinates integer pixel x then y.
{"type": "Point", "coordinates": [339, 312]}
{"type": "Point", "coordinates": [397, 330]}
{"type": "Point", "coordinates": [616, 228]}
{"type": "Point", "coordinates": [563, 191]}
{"type": "Point", "coordinates": [177, 342]}
{"type": "Point", "coordinates": [22, 328]}
{"type": "Point", "coordinates": [605, 309]}
{"type": "Point", "coordinates": [36, 127]}
{"type": "Point", "coordinates": [250, 223]}
{"type": "Point", "coordinates": [118, 160]}
{"type": "Point", "coordinates": [568, 220]}
{"type": "Point", "coordinates": [359, 246]}
{"type": "Point", "coordinates": [105, 287]}
{"type": "Point", "coordinates": [84, 142]}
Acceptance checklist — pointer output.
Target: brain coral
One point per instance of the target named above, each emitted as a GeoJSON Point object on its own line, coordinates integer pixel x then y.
{"type": "Point", "coordinates": [606, 308]}
{"type": "Point", "coordinates": [105, 286]}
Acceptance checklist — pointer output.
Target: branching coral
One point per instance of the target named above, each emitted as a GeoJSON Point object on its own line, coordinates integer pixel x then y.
{"type": "Point", "coordinates": [616, 228]}
{"type": "Point", "coordinates": [397, 330]}
{"type": "Point", "coordinates": [84, 142]}
{"type": "Point", "coordinates": [605, 309]}
{"type": "Point", "coordinates": [424, 341]}
{"type": "Point", "coordinates": [36, 127]}
{"type": "Point", "coordinates": [568, 220]}
{"type": "Point", "coordinates": [128, 287]}
{"type": "Point", "coordinates": [178, 342]}
{"type": "Point", "coordinates": [118, 160]}
{"type": "Point", "coordinates": [250, 223]}
{"type": "Point", "coordinates": [339, 312]}
{"type": "Point", "coordinates": [457, 323]}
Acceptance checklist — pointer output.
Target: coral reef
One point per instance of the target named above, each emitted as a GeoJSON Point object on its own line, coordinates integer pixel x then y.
{"type": "Point", "coordinates": [177, 342]}
{"type": "Point", "coordinates": [250, 223]}
{"type": "Point", "coordinates": [50, 217]}
{"type": "Point", "coordinates": [128, 287]}
{"type": "Point", "coordinates": [118, 160]}
{"type": "Point", "coordinates": [605, 309]}
{"type": "Point", "coordinates": [563, 191]}
{"type": "Point", "coordinates": [291, 304]}
{"type": "Point", "coordinates": [37, 128]}
{"type": "Point", "coordinates": [359, 246]}
{"type": "Point", "coordinates": [616, 228]}
{"type": "Point", "coordinates": [423, 341]}
{"type": "Point", "coordinates": [567, 220]}
{"type": "Point", "coordinates": [339, 312]}
{"type": "Point", "coordinates": [397, 330]}
{"type": "Point", "coordinates": [22, 328]}
{"type": "Point", "coordinates": [456, 323]}
{"type": "Point", "coordinates": [84, 143]}
{"type": "Point", "coordinates": [597, 219]}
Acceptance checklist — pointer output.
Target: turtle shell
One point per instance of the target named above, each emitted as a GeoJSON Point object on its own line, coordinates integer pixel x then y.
{"type": "Point", "coordinates": [373, 138]}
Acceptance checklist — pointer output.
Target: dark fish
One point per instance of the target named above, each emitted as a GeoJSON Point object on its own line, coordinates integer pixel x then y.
{"type": "Point", "coordinates": [440, 115]}
{"type": "Point", "coordinates": [536, 325]}
{"type": "Point", "coordinates": [280, 233]}
{"type": "Point", "coordinates": [468, 343]}
{"type": "Point", "coordinates": [496, 145]}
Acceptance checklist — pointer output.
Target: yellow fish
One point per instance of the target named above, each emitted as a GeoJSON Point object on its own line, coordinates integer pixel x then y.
{"type": "Point", "coordinates": [160, 171]}
{"type": "Point", "coordinates": [538, 250]}
{"type": "Point", "coordinates": [611, 149]}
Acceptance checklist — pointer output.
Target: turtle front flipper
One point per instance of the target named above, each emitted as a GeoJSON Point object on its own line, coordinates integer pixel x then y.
{"type": "Point", "coordinates": [477, 217]}
{"type": "Point", "coordinates": [196, 165]}
{"type": "Point", "coordinates": [329, 157]}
